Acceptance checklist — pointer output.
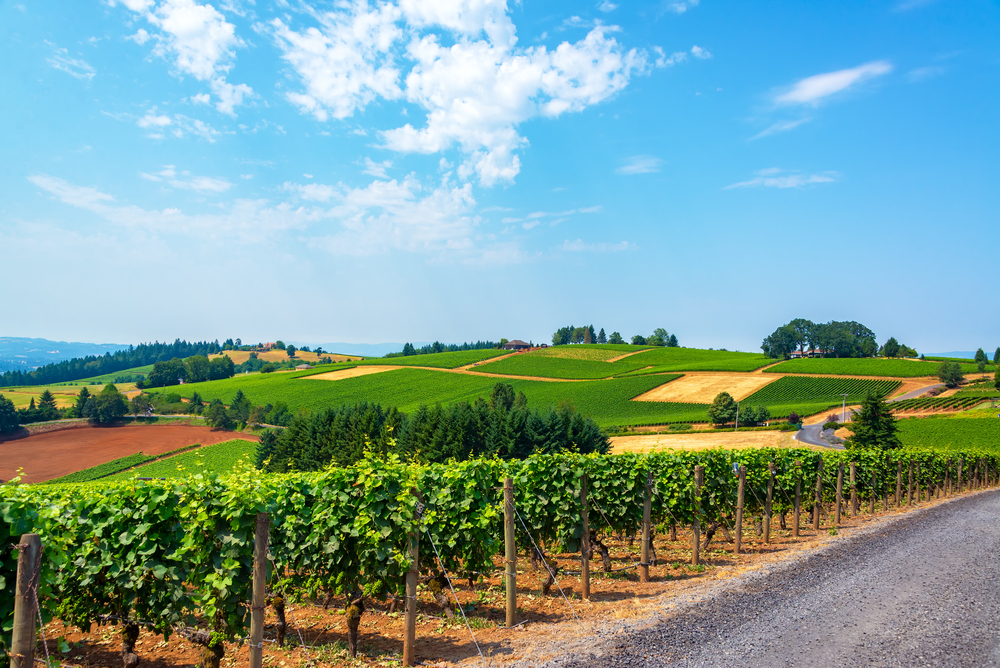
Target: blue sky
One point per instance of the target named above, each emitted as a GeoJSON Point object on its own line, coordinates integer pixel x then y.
{"type": "Point", "coordinates": [420, 170]}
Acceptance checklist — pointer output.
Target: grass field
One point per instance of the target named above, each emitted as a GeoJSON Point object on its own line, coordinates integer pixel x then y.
{"type": "Point", "coordinates": [950, 433]}
{"type": "Point", "coordinates": [442, 360]}
{"type": "Point", "coordinates": [218, 458]}
{"type": "Point", "coordinates": [892, 368]}
{"type": "Point", "coordinates": [102, 471]}
{"type": "Point", "coordinates": [583, 362]}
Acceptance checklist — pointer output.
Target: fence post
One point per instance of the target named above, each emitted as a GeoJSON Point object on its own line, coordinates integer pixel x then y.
{"type": "Point", "coordinates": [22, 646]}
{"type": "Point", "coordinates": [260, 547]}
{"type": "Point", "coordinates": [797, 508]}
{"type": "Point", "coordinates": [819, 495]}
{"type": "Point", "coordinates": [958, 481]}
{"type": "Point", "coordinates": [909, 487]}
{"type": "Point", "coordinates": [874, 493]}
{"type": "Point", "coordinates": [767, 503]}
{"type": "Point", "coordinates": [699, 476]}
{"type": "Point", "coordinates": [412, 575]}
{"type": "Point", "coordinates": [899, 483]}
{"type": "Point", "coordinates": [947, 478]}
{"type": "Point", "coordinates": [647, 520]}
{"type": "Point", "coordinates": [585, 542]}
{"type": "Point", "coordinates": [854, 492]}
{"type": "Point", "coordinates": [742, 480]}
{"type": "Point", "coordinates": [840, 493]}
{"type": "Point", "coordinates": [510, 551]}
{"type": "Point", "coordinates": [916, 483]}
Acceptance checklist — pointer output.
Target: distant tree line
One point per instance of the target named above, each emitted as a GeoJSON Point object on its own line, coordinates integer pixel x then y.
{"type": "Point", "coordinates": [105, 406]}
{"type": "Point", "coordinates": [571, 334]}
{"type": "Point", "coordinates": [893, 348]}
{"type": "Point", "coordinates": [194, 369]}
{"type": "Point", "coordinates": [835, 339]}
{"type": "Point", "coordinates": [502, 426]}
{"type": "Point", "coordinates": [98, 365]}
{"type": "Point", "coordinates": [438, 347]}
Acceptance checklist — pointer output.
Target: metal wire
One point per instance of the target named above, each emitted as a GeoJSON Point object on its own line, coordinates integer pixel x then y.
{"type": "Point", "coordinates": [457, 602]}
{"type": "Point", "coordinates": [281, 584]}
{"type": "Point", "coordinates": [542, 556]}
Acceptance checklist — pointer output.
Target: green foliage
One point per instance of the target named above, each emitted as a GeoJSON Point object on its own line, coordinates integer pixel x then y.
{"type": "Point", "coordinates": [102, 470]}
{"type": "Point", "coordinates": [218, 416]}
{"type": "Point", "coordinates": [723, 409]}
{"type": "Point", "coordinates": [290, 350]}
{"type": "Point", "coordinates": [953, 433]}
{"type": "Point", "coordinates": [109, 405]}
{"type": "Point", "coordinates": [8, 416]}
{"type": "Point", "coordinates": [221, 458]}
{"type": "Point", "coordinates": [890, 348]}
{"type": "Point", "coordinates": [950, 373]}
{"type": "Point", "coordinates": [873, 427]}
{"type": "Point", "coordinates": [793, 390]}
{"type": "Point", "coordinates": [981, 357]}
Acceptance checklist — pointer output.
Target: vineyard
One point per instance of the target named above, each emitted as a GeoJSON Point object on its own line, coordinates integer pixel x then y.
{"type": "Point", "coordinates": [936, 404]}
{"type": "Point", "coordinates": [178, 554]}
{"type": "Point", "coordinates": [892, 368]}
{"type": "Point", "coordinates": [808, 390]}
{"type": "Point", "coordinates": [952, 432]}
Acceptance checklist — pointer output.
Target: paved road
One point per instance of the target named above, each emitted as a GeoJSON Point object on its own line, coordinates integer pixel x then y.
{"type": "Point", "coordinates": [918, 591]}
{"type": "Point", "coordinates": [915, 393]}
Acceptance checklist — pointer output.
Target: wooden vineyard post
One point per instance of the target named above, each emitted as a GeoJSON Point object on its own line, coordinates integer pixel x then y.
{"type": "Point", "coordinates": [260, 547]}
{"type": "Point", "coordinates": [819, 494]}
{"type": "Point", "coordinates": [699, 477]}
{"type": "Point", "coordinates": [947, 478]}
{"type": "Point", "coordinates": [767, 503]}
{"type": "Point", "coordinates": [958, 478]}
{"type": "Point", "coordinates": [510, 551]}
{"type": "Point", "coordinates": [585, 543]}
{"type": "Point", "coordinates": [22, 646]}
{"type": "Point", "coordinates": [853, 511]}
{"type": "Point", "coordinates": [412, 576]}
{"type": "Point", "coordinates": [899, 483]}
{"type": "Point", "coordinates": [916, 483]}
{"type": "Point", "coordinates": [647, 527]}
{"type": "Point", "coordinates": [797, 508]}
{"type": "Point", "coordinates": [840, 494]}
{"type": "Point", "coordinates": [874, 493]}
{"type": "Point", "coordinates": [673, 532]}
{"type": "Point", "coordinates": [742, 478]}
{"type": "Point", "coordinates": [909, 487]}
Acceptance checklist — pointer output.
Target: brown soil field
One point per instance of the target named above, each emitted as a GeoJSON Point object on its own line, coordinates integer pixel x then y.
{"type": "Point", "coordinates": [737, 439]}
{"type": "Point", "coordinates": [547, 623]}
{"type": "Point", "coordinates": [703, 387]}
{"type": "Point", "coordinates": [58, 453]}
{"type": "Point", "coordinates": [241, 356]}
{"type": "Point", "coordinates": [352, 373]}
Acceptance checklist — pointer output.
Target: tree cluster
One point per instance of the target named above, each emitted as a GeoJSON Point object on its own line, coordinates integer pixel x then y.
{"type": "Point", "coordinates": [837, 339]}
{"type": "Point", "coordinates": [725, 410]}
{"type": "Point", "coordinates": [950, 373]}
{"type": "Point", "coordinates": [570, 334]}
{"type": "Point", "coordinates": [97, 365]}
{"type": "Point", "coordinates": [893, 348]}
{"type": "Point", "coordinates": [195, 369]}
{"type": "Point", "coordinates": [438, 347]}
{"type": "Point", "coordinates": [502, 426]}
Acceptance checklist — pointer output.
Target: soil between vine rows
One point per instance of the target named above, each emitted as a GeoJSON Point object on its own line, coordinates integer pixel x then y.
{"type": "Point", "coordinates": [619, 602]}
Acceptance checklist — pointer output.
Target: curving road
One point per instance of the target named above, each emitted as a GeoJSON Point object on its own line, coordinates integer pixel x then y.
{"type": "Point", "coordinates": [919, 590]}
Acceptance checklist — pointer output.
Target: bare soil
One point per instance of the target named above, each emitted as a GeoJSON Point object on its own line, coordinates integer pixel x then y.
{"type": "Point", "coordinates": [548, 622]}
{"type": "Point", "coordinates": [57, 453]}
{"type": "Point", "coordinates": [732, 440]}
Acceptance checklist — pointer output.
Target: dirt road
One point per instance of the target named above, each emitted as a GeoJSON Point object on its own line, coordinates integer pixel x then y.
{"type": "Point", "coordinates": [916, 591]}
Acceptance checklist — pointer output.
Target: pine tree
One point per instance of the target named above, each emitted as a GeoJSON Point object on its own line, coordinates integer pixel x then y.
{"type": "Point", "coordinates": [601, 338]}
{"type": "Point", "coordinates": [873, 427]}
{"type": "Point", "coordinates": [996, 356]}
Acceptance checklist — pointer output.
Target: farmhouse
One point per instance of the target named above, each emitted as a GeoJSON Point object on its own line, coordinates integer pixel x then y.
{"type": "Point", "coordinates": [517, 344]}
{"type": "Point", "coordinates": [812, 352]}
{"type": "Point", "coordinates": [303, 367]}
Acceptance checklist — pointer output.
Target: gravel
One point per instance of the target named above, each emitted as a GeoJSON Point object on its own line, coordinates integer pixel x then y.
{"type": "Point", "coordinates": [919, 590]}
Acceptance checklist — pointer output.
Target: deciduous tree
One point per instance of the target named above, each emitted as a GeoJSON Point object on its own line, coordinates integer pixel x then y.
{"type": "Point", "coordinates": [616, 338]}
{"type": "Point", "coordinates": [950, 373]}
{"type": "Point", "coordinates": [109, 405]}
{"type": "Point", "coordinates": [723, 409]}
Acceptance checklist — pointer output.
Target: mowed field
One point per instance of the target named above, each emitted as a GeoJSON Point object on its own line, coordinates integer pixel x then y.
{"type": "Point", "coordinates": [57, 453]}
{"type": "Point", "coordinates": [702, 388]}
{"type": "Point", "coordinates": [727, 440]}
{"type": "Point", "coordinates": [351, 372]}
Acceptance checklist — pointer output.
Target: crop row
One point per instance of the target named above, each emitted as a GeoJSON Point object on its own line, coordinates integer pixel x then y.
{"type": "Point", "coordinates": [891, 368]}
{"type": "Point", "coordinates": [935, 403]}
{"type": "Point", "coordinates": [792, 389]}
{"type": "Point", "coordinates": [179, 551]}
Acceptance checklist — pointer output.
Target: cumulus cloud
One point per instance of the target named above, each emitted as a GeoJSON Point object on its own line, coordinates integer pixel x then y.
{"type": "Point", "coordinates": [376, 169]}
{"type": "Point", "coordinates": [185, 181]}
{"type": "Point", "coordinates": [459, 62]}
{"type": "Point", "coordinates": [640, 164]}
{"type": "Point", "coordinates": [199, 42]}
{"type": "Point", "coordinates": [75, 67]}
{"type": "Point", "coordinates": [813, 90]}
{"type": "Point", "coordinates": [774, 177]}
{"type": "Point", "coordinates": [607, 6]}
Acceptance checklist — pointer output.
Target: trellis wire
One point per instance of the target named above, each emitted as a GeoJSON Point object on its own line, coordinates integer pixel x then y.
{"type": "Point", "coordinates": [457, 602]}
{"type": "Point", "coordinates": [549, 569]}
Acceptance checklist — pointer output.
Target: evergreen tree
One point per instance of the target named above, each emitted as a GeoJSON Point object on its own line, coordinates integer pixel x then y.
{"type": "Point", "coordinates": [996, 356]}
{"type": "Point", "coordinates": [502, 397]}
{"type": "Point", "coordinates": [873, 427]}
{"type": "Point", "coordinates": [891, 348]}
{"type": "Point", "coordinates": [240, 407]}
{"type": "Point", "coordinates": [217, 416]}
{"type": "Point", "coordinates": [602, 338]}
{"type": "Point", "coordinates": [981, 357]}
{"type": "Point", "coordinates": [9, 420]}
{"type": "Point", "coordinates": [81, 403]}
{"type": "Point", "coordinates": [672, 343]}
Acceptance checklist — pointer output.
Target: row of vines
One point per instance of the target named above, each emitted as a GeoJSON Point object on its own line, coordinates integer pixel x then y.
{"type": "Point", "coordinates": [180, 552]}
{"type": "Point", "coordinates": [936, 403]}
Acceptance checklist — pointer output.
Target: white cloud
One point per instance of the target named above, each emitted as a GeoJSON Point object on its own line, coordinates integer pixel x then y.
{"type": "Point", "coordinates": [198, 40]}
{"type": "Point", "coordinates": [774, 177]}
{"type": "Point", "coordinates": [812, 90]}
{"type": "Point", "coordinates": [246, 176]}
{"type": "Point", "coordinates": [607, 7]}
{"type": "Point", "coordinates": [699, 52]}
{"type": "Point", "coordinates": [473, 90]}
{"type": "Point", "coordinates": [536, 218]}
{"type": "Point", "coordinates": [780, 126]}
{"type": "Point", "coordinates": [185, 181]}
{"type": "Point", "coordinates": [151, 120]}
{"type": "Point", "coordinates": [376, 169]}
{"type": "Point", "coordinates": [680, 6]}
{"type": "Point", "coordinates": [924, 73]}
{"type": "Point", "coordinates": [579, 246]}
{"type": "Point", "coordinates": [75, 67]}
{"type": "Point", "coordinates": [640, 164]}
{"type": "Point", "coordinates": [201, 98]}
{"type": "Point", "coordinates": [179, 125]}
{"type": "Point", "coordinates": [311, 192]}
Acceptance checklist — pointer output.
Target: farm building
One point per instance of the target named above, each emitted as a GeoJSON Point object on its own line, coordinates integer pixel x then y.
{"type": "Point", "coordinates": [303, 367]}
{"type": "Point", "coordinates": [812, 352]}
{"type": "Point", "coordinates": [517, 344]}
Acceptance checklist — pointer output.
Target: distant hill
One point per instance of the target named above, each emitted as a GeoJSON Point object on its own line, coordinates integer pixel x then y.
{"type": "Point", "coordinates": [362, 349]}
{"type": "Point", "coordinates": [24, 354]}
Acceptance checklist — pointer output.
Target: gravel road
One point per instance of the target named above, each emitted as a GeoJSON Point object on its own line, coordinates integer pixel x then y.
{"type": "Point", "coordinates": [919, 590]}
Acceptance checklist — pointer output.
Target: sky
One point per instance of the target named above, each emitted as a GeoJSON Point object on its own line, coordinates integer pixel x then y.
{"type": "Point", "coordinates": [418, 170]}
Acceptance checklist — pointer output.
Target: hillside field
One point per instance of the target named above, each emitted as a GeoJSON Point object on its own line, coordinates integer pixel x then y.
{"type": "Point", "coordinates": [951, 432]}
{"type": "Point", "coordinates": [893, 368]}
{"type": "Point", "coordinates": [219, 458]}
